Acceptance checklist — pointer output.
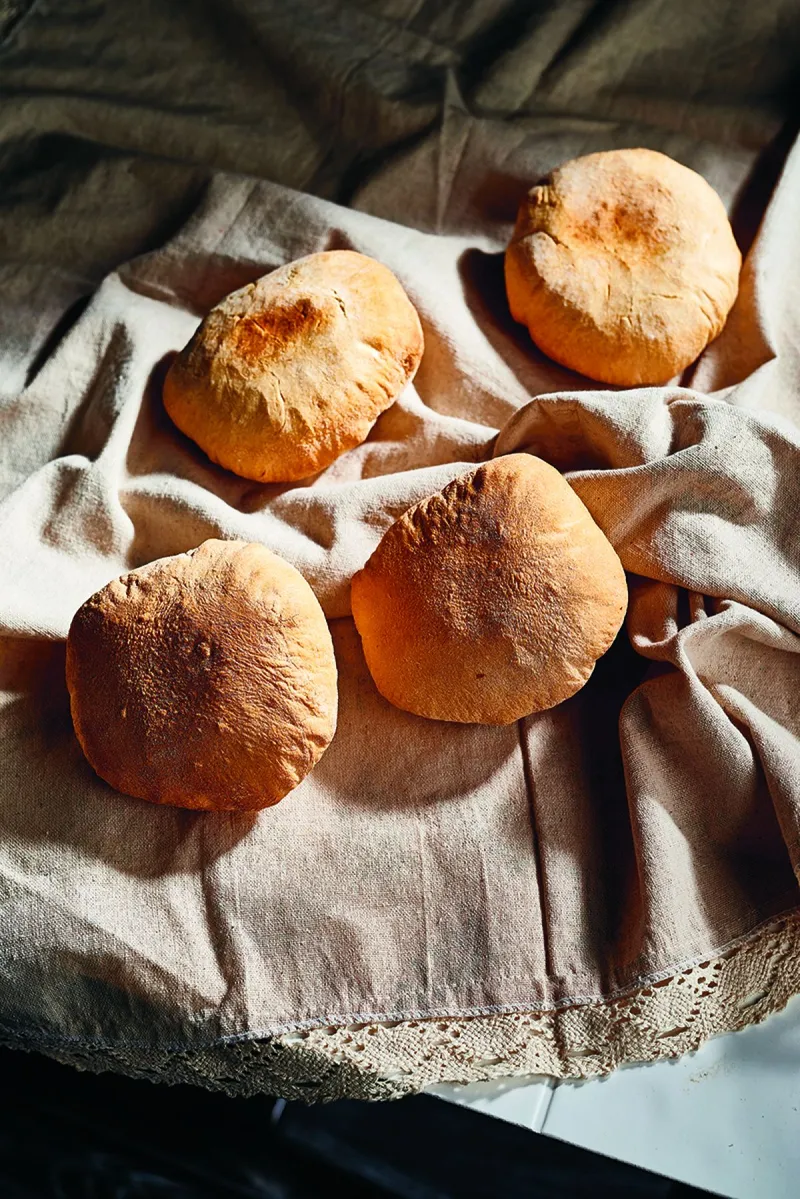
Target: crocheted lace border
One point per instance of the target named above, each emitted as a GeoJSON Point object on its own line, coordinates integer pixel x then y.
{"type": "Point", "coordinates": [738, 986]}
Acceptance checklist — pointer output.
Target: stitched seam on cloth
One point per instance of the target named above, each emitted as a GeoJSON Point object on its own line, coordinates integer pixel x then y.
{"type": "Point", "coordinates": [214, 249]}
{"type": "Point", "coordinates": [781, 920]}
{"type": "Point", "coordinates": [530, 790]}
{"type": "Point", "coordinates": [391, 1060]}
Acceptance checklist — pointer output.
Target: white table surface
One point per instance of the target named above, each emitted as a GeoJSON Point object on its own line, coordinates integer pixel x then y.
{"type": "Point", "coordinates": [726, 1118]}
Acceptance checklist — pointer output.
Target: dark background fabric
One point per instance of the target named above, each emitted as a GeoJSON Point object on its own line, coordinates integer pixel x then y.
{"type": "Point", "coordinates": [65, 1135]}
{"type": "Point", "coordinates": [114, 113]}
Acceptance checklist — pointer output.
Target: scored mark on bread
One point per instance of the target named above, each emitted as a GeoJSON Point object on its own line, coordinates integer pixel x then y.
{"type": "Point", "coordinates": [339, 301]}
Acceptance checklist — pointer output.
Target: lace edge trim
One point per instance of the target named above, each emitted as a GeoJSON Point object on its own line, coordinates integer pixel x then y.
{"type": "Point", "coordinates": [738, 987]}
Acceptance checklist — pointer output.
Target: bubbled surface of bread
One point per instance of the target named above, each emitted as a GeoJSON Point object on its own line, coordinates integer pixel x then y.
{"type": "Point", "coordinates": [490, 600]}
{"type": "Point", "coordinates": [286, 374]}
{"type": "Point", "coordinates": [623, 266]}
{"type": "Point", "coordinates": [206, 680]}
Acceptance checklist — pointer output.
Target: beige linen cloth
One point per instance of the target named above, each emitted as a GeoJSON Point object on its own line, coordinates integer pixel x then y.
{"type": "Point", "coordinates": [612, 880]}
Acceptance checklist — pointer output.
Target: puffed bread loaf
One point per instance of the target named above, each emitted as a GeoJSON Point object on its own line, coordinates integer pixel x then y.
{"type": "Point", "coordinates": [286, 374]}
{"type": "Point", "coordinates": [491, 599]}
{"type": "Point", "coordinates": [205, 680]}
{"type": "Point", "coordinates": [623, 266]}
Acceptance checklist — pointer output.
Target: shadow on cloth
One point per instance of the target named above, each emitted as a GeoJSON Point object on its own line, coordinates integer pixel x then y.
{"type": "Point", "coordinates": [133, 836]}
{"type": "Point", "coordinates": [422, 761]}
{"type": "Point", "coordinates": [483, 281]}
{"type": "Point", "coordinates": [158, 448]}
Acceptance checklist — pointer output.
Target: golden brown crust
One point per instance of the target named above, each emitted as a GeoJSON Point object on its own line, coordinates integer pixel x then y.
{"type": "Point", "coordinates": [491, 599]}
{"type": "Point", "coordinates": [286, 374]}
{"type": "Point", "coordinates": [623, 266]}
{"type": "Point", "coordinates": [206, 680]}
